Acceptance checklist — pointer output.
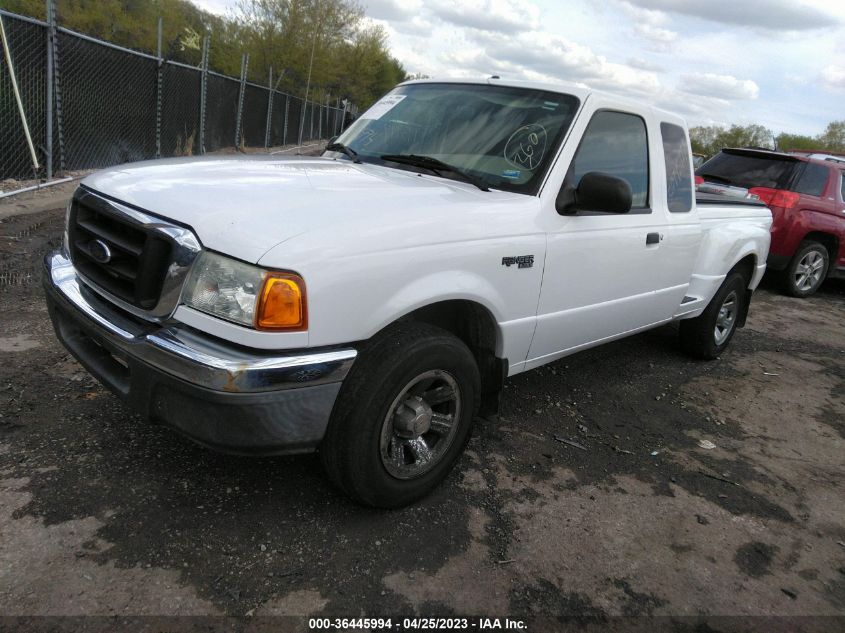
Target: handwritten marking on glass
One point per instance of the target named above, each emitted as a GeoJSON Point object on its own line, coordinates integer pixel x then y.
{"type": "Point", "coordinates": [526, 146]}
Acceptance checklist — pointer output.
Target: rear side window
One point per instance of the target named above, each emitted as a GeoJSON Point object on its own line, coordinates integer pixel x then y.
{"type": "Point", "coordinates": [842, 179]}
{"type": "Point", "coordinates": [676, 153]}
{"type": "Point", "coordinates": [812, 181]}
{"type": "Point", "coordinates": [615, 143]}
{"type": "Point", "coordinates": [746, 170]}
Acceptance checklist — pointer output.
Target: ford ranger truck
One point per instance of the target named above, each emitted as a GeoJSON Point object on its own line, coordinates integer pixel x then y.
{"type": "Point", "coordinates": [369, 303]}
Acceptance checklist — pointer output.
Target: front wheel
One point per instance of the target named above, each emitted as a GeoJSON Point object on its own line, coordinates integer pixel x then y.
{"type": "Point", "coordinates": [707, 335]}
{"type": "Point", "coordinates": [403, 415]}
{"type": "Point", "coordinates": [807, 270]}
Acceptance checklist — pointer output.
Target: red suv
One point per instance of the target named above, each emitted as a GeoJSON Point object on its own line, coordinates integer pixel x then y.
{"type": "Point", "coordinates": [806, 193]}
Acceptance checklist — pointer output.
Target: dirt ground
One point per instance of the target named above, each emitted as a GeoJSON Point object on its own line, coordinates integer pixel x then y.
{"type": "Point", "coordinates": [102, 513]}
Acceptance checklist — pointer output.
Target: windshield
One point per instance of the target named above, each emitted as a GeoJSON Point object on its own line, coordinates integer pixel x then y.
{"type": "Point", "coordinates": [502, 136]}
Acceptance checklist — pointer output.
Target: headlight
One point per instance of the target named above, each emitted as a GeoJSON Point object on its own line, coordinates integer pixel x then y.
{"type": "Point", "coordinates": [246, 294]}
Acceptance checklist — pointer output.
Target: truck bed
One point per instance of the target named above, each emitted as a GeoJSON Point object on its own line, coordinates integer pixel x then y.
{"type": "Point", "coordinates": [714, 198]}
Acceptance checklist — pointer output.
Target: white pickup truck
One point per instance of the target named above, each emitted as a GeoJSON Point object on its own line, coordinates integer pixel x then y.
{"type": "Point", "coordinates": [369, 303]}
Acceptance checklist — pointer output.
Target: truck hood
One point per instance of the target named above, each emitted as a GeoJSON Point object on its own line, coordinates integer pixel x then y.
{"type": "Point", "coordinates": [245, 205]}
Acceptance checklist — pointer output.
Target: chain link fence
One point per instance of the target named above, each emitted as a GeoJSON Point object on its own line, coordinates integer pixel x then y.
{"type": "Point", "coordinates": [27, 45]}
{"type": "Point", "coordinates": [88, 103]}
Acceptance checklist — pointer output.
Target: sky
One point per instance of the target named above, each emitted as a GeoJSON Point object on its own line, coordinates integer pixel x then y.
{"type": "Point", "coordinates": [780, 63]}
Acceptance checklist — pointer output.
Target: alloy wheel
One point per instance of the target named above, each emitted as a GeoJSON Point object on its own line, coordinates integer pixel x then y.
{"type": "Point", "coordinates": [808, 272]}
{"type": "Point", "coordinates": [726, 319]}
{"type": "Point", "coordinates": [420, 424]}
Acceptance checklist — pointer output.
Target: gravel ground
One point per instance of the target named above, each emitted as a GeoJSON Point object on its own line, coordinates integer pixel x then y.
{"type": "Point", "coordinates": [102, 513]}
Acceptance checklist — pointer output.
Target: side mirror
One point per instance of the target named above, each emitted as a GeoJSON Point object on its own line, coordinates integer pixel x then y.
{"type": "Point", "coordinates": [596, 192]}
{"type": "Point", "coordinates": [332, 140]}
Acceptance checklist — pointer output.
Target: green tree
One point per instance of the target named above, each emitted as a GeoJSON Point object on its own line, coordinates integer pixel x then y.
{"type": "Point", "coordinates": [833, 137]}
{"type": "Point", "coordinates": [708, 140]}
{"type": "Point", "coordinates": [787, 142]}
{"type": "Point", "coordinates": [350, 60]}
{"type": "Point", "coordinates": [368, 69]}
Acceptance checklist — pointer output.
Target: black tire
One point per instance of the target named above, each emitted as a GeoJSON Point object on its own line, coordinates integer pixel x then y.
{"type": "Point", "coordinates": [792, 276]}
{"type": "Point", "coordinates": [351, 451]}
{"type": "Point", "coordinates": [699, 337]}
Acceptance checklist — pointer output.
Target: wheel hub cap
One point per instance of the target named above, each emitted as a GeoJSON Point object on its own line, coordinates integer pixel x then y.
{"type": "Point", "coordinates": [413, 418]}
{"type": "Point", "coordinates": [726, 318]}
{"type": "Point", "coordinates": [420, 424]}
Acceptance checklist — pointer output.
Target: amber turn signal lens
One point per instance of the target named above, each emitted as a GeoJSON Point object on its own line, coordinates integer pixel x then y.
{"type": "Point", "coordinates": [282, 305]}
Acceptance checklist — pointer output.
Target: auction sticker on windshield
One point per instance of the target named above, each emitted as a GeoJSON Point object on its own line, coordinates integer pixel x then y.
{"type": "Point", "coordinates": [382, 106]}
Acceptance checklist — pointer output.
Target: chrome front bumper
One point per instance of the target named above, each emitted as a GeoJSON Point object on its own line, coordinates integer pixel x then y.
{"type": "Point", "coordinates": [220, 394]}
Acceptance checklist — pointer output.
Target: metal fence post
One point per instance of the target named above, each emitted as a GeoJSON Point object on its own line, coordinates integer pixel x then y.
{"type": "Point", "coordinates": [203, 86]}
{"type": "Point", "coordinates": [244, 66]}
{"type": "Point", "coordinates": [159, 81]}
{"type": "Point", "coordinates": [53, 55]}
{"type": "Point", "coordinates": [336, 110]}
{"type": "Point", "coordinates": [269, 110]}
{"type": "Point", "coordinates": [18, 101]}
{"type": "Point", "coordinates": [301, 138]}
{"type": "Point", "coordinates": [51, 33]}
{"type": "Point", "coordinates": [285, 132]}
{"type": "Point", "coordinates": [311, 124]}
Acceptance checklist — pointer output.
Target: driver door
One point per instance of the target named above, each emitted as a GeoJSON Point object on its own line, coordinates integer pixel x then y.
{"type": "Point", "coordinates": [606, 274]}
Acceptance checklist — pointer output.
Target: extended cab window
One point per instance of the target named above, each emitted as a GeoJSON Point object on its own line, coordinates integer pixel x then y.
{"type": "Point", "coordinates": [813, 180]}
{"type": "Point", "coordinates": [614, 143]}
{"type": "Point", "coordinates": [676, 154]}
{"type": "Point", "coordinates": [842, 180]}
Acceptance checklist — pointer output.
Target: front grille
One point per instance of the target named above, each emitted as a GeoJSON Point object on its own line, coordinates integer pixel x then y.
{"type": "Point", "coordinates": [123, 258]}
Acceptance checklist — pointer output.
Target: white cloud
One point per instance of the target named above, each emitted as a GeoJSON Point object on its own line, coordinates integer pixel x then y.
{"type": "Point", "coordinates": [393, 10]}
{"type": "Point", "coordinates": [651, 25]}
{"type": "Point", "coordinates": [655, 33]}
{"type": "Point", "coordinates": [717, 61]}
{"type": "Point", "coordinates": [488, 15]}
{"type": "Point", "coordinates": [541, 56]}
{"type": "Point", "coordinates": [719, 86]}
{"type": "Point", "coordinates": [415, 26]}
{"type": "Point", "coordinates": [218, 7]}
{"type": "Point", "coordinates": [643, 64]}
{"type": "Point", "coordinates": [702, 109]}
{"type": "Point", "coordinates": [776, 15]}
{"type": "Point", "coordinates": [834, 77]}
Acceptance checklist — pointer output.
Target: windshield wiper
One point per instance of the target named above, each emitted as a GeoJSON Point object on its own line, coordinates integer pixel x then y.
{"type": "Point", "coordinates": [435, 165]}
{"type": "Point", "coordinates": [340, 147]}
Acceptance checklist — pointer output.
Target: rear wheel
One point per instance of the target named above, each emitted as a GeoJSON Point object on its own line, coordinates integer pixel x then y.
{"type": "Point", "coordinates": [707, 335]}
{"type": "Point", "coordinates": [807, 270]}
{"type": "Point", "coordinates": [403, 415]}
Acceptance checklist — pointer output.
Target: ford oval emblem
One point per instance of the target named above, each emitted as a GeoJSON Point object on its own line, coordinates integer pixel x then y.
{"type": "Point", "coordinates": [100, 251]}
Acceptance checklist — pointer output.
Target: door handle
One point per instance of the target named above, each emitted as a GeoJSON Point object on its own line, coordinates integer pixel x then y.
{"type": "Point", "coordinates": [652, 238]}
